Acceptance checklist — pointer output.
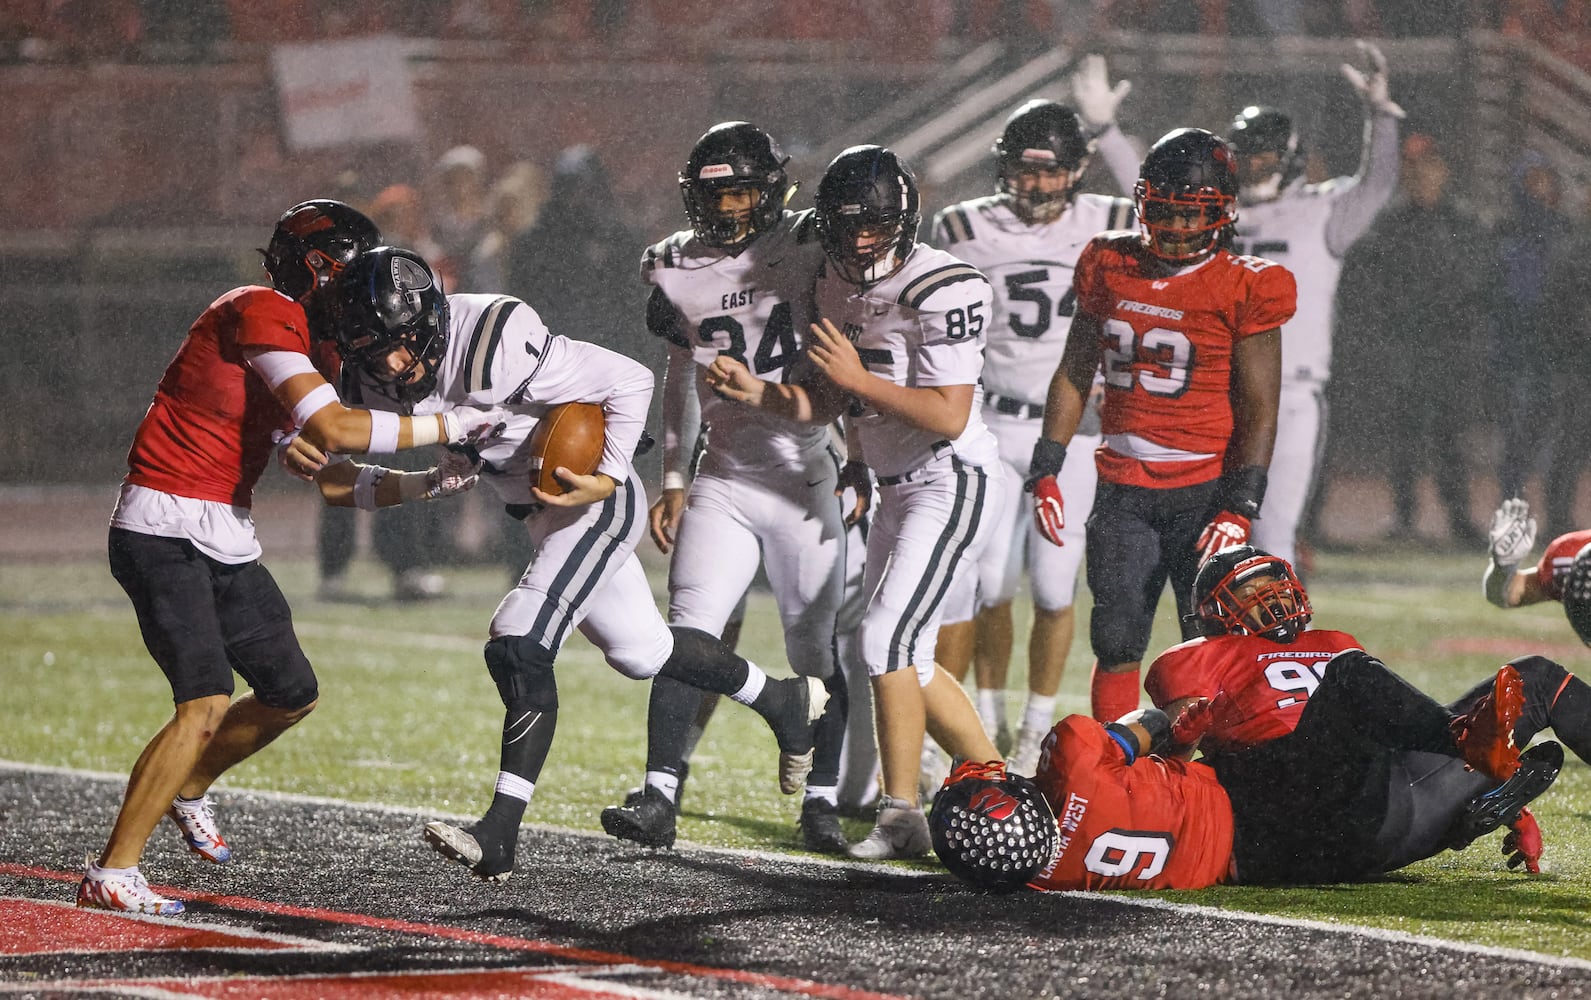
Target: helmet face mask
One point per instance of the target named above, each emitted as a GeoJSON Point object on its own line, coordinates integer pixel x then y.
{"type": "Point", "coordinates": [1040, 157]}
{"type": "Point", "coordinates": [734, 185]}
{"type": "Point", "coordinates": [312, 243]}
{"type": "Point", "coordinates": [391, 301]}
{"type": "Point", "coordinates": [1243, 591]}
{"type": "Point", "coordinates": [1187, 195]}
{"type": "Point", "coordinates": [1268, 153]}
{"type": "Point", "coordinates": [991, 829]}
{"type": "Point", "coordinates": [867, 214]}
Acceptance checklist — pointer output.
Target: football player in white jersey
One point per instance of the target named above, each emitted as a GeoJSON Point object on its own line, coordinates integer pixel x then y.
{"type": "Point", "coordinates": [1026, 240]}
{"type": "Point", "coordinates": [739, 283]}
{"type": "Point", "coordinates": [900, 337]}
{"type": "Point", "coordinates": [407, 346]}
{"type": "Point", "coordinates": [1308, 228]}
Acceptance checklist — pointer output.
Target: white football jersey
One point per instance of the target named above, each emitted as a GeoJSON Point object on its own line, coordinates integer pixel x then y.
{"type": "Point", "coordinates": [1030, 270]}
{"type": "Point", "coordinates": [1308, 228]}
{"type": "Point", "coordinates": [502, 358]}
{"type": "Point", "coordinates": [921, 326]}
{"type": "Point", "coordinates": [754, 306]}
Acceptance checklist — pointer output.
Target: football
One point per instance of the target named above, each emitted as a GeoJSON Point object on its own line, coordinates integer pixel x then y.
{"type": "Point", "coordinates": [568, 436]}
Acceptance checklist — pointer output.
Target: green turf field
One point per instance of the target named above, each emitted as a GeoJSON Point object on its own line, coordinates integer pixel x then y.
{"type": "Point", "coordinates": [409, 717]}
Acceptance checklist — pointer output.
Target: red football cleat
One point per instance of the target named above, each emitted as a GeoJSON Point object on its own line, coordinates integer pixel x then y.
{"type": "Point", "coordinates": [1485, 736]}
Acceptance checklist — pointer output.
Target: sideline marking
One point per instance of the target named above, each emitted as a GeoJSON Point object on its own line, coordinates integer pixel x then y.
{"type": "Point", "coordinates": [506, 942]}
{"type": "Point", "coordinates": [51, 927]}
{"type": "Point", "coordinates": [1123, 898]}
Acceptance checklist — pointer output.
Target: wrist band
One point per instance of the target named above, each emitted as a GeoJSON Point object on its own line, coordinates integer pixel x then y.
{"type": "Point", "coordinates": [383, 433]}
{"type": "Point", "coordinates": [365, 484]}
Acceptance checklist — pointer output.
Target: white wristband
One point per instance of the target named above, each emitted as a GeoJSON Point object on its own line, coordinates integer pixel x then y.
{"type": "Point", "coordinates": [365, 484]}
{"type": "Point", "coordinates": [313, 402]}
{"type": "Point", "coordinates": [673, 480]}
{"type": "Point", "coordinates": [427, 430]}
{"type": "Point", "coordinates": [383, 432]}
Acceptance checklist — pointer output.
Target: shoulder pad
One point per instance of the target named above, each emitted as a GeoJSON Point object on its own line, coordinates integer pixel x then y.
{"type": "Point", "coordinates": [955, 223]}
{"type": "Point", "coordinates": [665, 253]}
{"type": "Point", "coordinates": [917, 291]}
{"type": "Point", "coordinates": [805, 226]}
{"type": "Point", "coordinates": [483, 340]}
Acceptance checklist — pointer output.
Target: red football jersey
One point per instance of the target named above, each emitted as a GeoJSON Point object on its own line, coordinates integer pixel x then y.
{"type": "Point", "coordinates": [207, 434]}
{"type": "Point", "coordinates": [1266, 684]}
{"type": "Point", "coordinates": [1154, 824]}
{"type": "Point", "coordinates": [1555, 562]}
{"type": "Point", "coordinates": [1167, 345]}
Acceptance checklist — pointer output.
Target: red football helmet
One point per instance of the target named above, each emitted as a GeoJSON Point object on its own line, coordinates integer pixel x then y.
{"type": "Point", "coordinates": [1187, 195]}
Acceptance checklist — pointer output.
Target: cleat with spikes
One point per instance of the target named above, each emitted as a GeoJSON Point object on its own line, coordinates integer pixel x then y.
{"type": "Point", "coordinates": [488, 859]}
{"type": "Point", "coordinates": [1485, 735]}
{"type": "Point", "coordinates": [901, 832]}
{"type": "Point", "coordinates": [649, 821]}
{"type": "Point", "coordinates": [195, 818]}
{"type": "Point", "coordinates": [794, 726]}
{"type": "Point", "coordinates": [1538, 768]}
{"type": "Point", "coordinates": [820, 827]}
{"type": "Point", "coordinates": [123, 890]}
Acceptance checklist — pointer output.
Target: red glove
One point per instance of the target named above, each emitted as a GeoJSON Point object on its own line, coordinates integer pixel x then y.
{"type": "Point", "coordinates": [1193, 723]}
{"type": "Point", "coordinates": [1226, 529]}
{"type": "Point", "coordinates": [1523, 843]}
{"type": "Point", "coordinates": [1048, 512]}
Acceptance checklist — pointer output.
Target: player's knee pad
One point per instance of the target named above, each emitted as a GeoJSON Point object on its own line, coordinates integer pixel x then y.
{"type": "Point", "coordinates": [1117, 637]}
{"type": "Point", "coordinates": [294, 689]}
{"type": "Point", "coordinates": [523, 672]}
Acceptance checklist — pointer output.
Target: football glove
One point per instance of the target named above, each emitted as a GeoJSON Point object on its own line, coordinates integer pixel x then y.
{"type": "Point", "coordinates": [1513, 533]}
{"type": "Point", "coordinates": [1225, 529]}
{"type": "Point", "coordinates": [1372, 84]}
{"type": "Point", "coordinates": [1193, 723]}
{"type": "Point", "coordinates": [1049, 513]}
{"type": "Point", "coordinates": [455, 473]}
{"type": "Point", "coordinates": [1523, 843]}
{"type": "Point", "coordinates": [1095, 98]}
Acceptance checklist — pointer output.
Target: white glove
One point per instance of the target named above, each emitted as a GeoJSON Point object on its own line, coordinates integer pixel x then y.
{"type": "Point", "coordinates": [1372, 86]}
{"type": "Point", "coordinates": [455, 473]}
{"type": "Point", "coordinates": [1095, 98]}
{"type": "Point", "coordinates": [473, 428]}
{"type": "Point", "coordinates": [1513, 533]}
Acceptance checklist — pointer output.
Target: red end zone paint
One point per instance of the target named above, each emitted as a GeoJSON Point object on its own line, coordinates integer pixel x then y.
{"type": "Point", "coordinates": [805, 987]}
{"type": "Point", "coordinates": [34, 927]}
{"type": "Point", "coordinates": [508, 984]}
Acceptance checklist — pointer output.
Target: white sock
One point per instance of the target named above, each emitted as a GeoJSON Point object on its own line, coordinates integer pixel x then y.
{"type": "Point", "coordinates": [95, 871]}
{"type": "Point", "coordinates": [1040, 714]}
{"type": "Point", "coordinates": [991, 708]}
{"type": "Point", "coordinates": [515, 787]}
{"type": "Point", "coordinates": [664, 782]}
{"type": "Point", "coordinates": [756, 680]}
{"type": "Point", "coordinates": [828, 793]}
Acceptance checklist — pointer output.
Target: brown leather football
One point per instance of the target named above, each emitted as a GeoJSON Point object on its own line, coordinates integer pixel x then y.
{"type": "Point", "coordinates": [569, 436]}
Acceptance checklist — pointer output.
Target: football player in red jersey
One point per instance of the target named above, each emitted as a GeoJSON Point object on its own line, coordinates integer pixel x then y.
{"type": "Point", "coordinates": [1257, 670]}
{"type": "Point", "coordinates": [1188, 338]}
{"type": "Point", "coordinates": [1563, 573]}
{"type": "Point", "coordinates": [182, 540]}
{"type": "Point", "coordinates": [1105, 812]}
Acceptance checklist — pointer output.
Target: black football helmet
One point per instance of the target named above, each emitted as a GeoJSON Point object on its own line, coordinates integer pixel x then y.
{"type": "Point", "coordinates": [992, 829]}
{"type": "Point", "coordinates": [1242, 590]}
{"type": "Point", "coordinates": [734, 155]}
{"type": "Point", "coordinates": [1041, 136]}
{"type": "Point", "coordinates": [313, 242]}
{"type": "Point", "coordinates": [867, 194]}
{"type": "Point", "coordinates": [1187, 171]}
{"type": "Point", "coordinates": [1259, 130]}
{"type": "Point", "coordinates": [1577, 594]}
{"type": "Point", "coordinates": [391, 298]}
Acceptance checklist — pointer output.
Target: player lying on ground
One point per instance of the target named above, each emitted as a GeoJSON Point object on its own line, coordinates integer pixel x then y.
{"type": "Point", "coordinates": [1261, 667]}
{"type": "Point", "coordinates": [1104, 812]}
{"type": "Point", "coordinates": [1563, 574]}
{"type": "Point", "coordinates": [412, 348]}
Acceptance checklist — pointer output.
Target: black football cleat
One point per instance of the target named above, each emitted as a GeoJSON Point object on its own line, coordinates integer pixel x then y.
{"type": "Point", "coordinates": [1538, 768]}
{"type": "Point", "coordinates": [820, 828]}
{"type": "Point", "coordinates": [488, 858]}
{"type": "Point", "coordinates": [649, 822]}
{"type": "Point", "coordinates": [794, 725]}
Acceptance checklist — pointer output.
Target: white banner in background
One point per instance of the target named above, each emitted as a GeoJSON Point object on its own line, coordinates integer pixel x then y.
{"type": "Point", "coordinates": [345, 91]}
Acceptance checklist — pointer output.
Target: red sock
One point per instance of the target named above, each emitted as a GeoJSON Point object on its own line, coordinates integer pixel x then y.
{"type": "Point", "coordinates": [1113, 695]}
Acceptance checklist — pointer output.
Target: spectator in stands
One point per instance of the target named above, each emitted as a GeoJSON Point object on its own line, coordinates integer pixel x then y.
{"type": "Point", "coordinates": [1523, 335]}
{"type": "Point", "coordinates": [1568, 386]}
{"type": "Point", "coordinates": [1411, 298]}
{"type": "Point", "coordinates": [461, 218]}
{"type": "Point", "coordinates": [515, 202]}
